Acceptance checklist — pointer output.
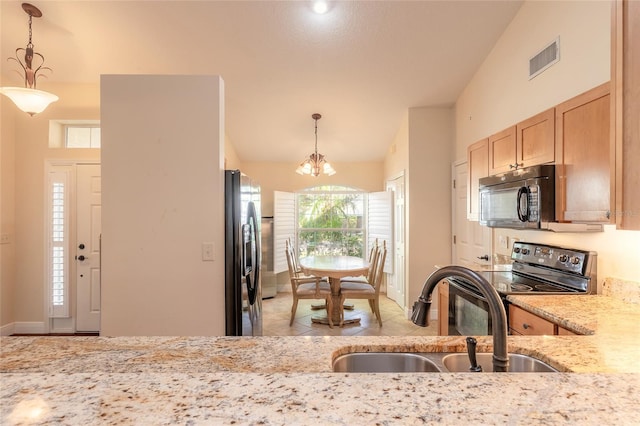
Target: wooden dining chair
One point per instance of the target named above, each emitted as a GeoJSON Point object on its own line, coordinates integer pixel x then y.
{"type": "Point", "coordinates": [306, 287]}
{"type": "Point", "coordinates": [366, 290]}
{"type": "Point", "coordinates": [296, 263]}
{"type": "Point", "coordinates": [373, 257]}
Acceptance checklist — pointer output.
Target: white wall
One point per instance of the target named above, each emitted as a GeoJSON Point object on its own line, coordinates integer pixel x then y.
{"type": "Point", "coordinates": [7, 214]}
{"type": "Point", "coordinates": [422, 149]}
{"type": "Point", "coordinates": [163, 196]}
{"type": "Point", "coordinates": [500, 94]}
{"type": "Point", "coordinates": [431, 136]}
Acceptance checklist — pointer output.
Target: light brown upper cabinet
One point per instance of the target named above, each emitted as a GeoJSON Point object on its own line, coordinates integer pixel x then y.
{"type": "Point", "coordinates": [584, 158]}
{"type": "Point", "coordinates": [529, 143]}
{"type": "Point", "coordinates": [477, 167]}
{"type": "Point", "coordinates": [625, 90]}
{"type": "Point", "coordinates": [535, 139]}
{"type": "Point", "coordinates": [502, 151]}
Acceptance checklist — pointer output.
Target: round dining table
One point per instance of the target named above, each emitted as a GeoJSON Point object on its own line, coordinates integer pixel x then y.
{"type": "Point", "coordinates": [334, 267]}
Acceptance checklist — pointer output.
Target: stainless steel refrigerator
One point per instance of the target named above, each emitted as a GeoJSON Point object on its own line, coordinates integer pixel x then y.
{"type": "Point", "coordinates": [243, 288]}
{"type": "Point", "coordinates": [269, 281]}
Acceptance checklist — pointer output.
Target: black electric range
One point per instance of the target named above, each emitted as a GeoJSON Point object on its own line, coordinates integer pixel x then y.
{"type": "Point", "coordinates": [543, 269]}
{"type": "Point", "coordinates": [536, 269]}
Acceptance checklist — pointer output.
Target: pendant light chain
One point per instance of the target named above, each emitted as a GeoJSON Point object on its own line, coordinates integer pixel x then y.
{"type": "Point", "coordinates": [30, 33]}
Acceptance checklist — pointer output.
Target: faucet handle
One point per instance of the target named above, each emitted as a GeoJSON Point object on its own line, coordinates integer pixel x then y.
{"type": "Point", "coordinates": [471, 351]}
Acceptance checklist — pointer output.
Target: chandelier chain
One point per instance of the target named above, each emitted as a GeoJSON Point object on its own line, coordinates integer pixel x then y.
{"type": "Point", "coordinates": [30, 33]}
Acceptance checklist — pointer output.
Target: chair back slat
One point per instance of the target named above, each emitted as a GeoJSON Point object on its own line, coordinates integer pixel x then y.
{"type": "Point", "coordinates": [379, 272]}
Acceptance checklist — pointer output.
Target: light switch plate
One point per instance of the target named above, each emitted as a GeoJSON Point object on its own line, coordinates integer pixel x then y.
{"type": "Point", "coordinates": [207, 252]}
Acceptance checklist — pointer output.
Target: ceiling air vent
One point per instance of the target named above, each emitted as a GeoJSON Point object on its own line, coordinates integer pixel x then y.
{"type": "Point", "coordinates": [545, 58]}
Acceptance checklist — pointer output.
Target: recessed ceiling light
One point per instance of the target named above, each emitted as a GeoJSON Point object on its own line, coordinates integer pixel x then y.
{"type": "Point", "coordinates": [320, 6]}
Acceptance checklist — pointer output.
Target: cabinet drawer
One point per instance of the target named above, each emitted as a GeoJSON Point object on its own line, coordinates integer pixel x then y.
{"type": "Point", "coordinates": [565, 332]}
{"type": "Point", "coordinates": [526, 323]}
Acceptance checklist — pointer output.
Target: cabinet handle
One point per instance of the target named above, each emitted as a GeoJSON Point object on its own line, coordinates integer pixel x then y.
{"type": "Point", "coordinates": [525, 325]}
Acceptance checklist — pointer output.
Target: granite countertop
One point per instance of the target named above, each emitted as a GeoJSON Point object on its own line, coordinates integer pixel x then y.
{"type": "Point", "coordinates": [288, 380]}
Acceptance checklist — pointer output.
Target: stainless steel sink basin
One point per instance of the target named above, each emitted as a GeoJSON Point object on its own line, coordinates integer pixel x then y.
{"type": "Point", "coordinates": [383, 362]}
{"type": "Point", "coordinates": [459, 362]}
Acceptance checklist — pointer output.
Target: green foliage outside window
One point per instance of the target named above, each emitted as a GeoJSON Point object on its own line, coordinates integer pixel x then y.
{"type": "Point", "coordinates": [331, 222]}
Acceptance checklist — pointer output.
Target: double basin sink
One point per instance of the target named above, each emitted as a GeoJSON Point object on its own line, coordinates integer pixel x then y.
{"type": "Point", "coordinates": [433, 362]}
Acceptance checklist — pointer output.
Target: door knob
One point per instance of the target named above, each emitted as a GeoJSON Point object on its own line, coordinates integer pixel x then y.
{"type": "Point", "coordinates": [485, 257]}
{"type": "Point", "coordinates": [81, 246]}
{"type": "Point", "coordinates": [81, 258]}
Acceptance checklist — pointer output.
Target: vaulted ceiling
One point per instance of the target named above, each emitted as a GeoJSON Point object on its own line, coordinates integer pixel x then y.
{"type": "Point", "coordinates": [361, 65]}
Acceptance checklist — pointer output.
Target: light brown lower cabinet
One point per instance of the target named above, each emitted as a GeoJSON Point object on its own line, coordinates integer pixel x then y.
{"type": "Point", "coordinates": [564, 332]}
{"type": "Point", "coordinates": [525, 323]}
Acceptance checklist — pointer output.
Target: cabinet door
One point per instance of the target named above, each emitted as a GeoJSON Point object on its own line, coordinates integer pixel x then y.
{"type": "Point", "coordinates": [443, 308]}
{"type": "Point", "coordinates": [525, 323]}
{"type": "Point", "coordinates": [566, 332]}
{"type": "Point", "coordinates": [535, 139]}
{"type": "Point", "coordinates": [478, 164]}
{"type": "Point", "coordinates": [502, 151]}
{"type": "Point", "coordinates": [625, 79]}
{"type": "Point", "coordinates": [584, 158]}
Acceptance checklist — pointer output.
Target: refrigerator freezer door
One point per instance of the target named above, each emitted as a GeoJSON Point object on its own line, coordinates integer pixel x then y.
{"type": "Point", "coordinates": [243, 297]}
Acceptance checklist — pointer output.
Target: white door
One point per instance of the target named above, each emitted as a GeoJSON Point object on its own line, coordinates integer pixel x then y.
{"type": "Point", "coordinates": [396, 281]}
{"type": "Point", "coordinates": [471, 241]}
{"type": "Point", "coordinates": [87, 249]}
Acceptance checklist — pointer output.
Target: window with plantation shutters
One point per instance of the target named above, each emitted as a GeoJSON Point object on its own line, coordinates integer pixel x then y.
{"type": "Point", "coordinates": [58, 241]}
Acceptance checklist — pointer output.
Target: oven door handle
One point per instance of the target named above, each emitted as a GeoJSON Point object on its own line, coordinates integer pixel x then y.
{"type": "Point", "coordinates": [467, 291]}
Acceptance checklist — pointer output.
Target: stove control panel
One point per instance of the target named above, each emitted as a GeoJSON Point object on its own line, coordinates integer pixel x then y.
{"type": "Point", "coordinates": [558, 258]}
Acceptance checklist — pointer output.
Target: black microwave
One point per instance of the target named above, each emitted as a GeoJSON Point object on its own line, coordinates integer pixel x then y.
{"type": "Point", "coordinates": [523, 198]}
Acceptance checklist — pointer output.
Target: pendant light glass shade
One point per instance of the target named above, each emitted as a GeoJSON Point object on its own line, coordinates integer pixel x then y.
{"type": "Point", "coordinates": [31, 101]}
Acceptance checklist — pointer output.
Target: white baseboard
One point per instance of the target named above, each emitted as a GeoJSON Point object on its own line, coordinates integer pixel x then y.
{"type": "Point", "coordinates": [33, 327]}
{"type": "Point", "coordinates": [7, 329]}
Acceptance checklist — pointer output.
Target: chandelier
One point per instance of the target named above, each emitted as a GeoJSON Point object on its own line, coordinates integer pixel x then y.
{"type": "Point", "coordinates": [28, 98]}
{"type": "Point", "coordinates": [315, 164]}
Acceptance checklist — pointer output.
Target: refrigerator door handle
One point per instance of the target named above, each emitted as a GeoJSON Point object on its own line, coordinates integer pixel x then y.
{"type": "Point", "coordinates": [253, 263]}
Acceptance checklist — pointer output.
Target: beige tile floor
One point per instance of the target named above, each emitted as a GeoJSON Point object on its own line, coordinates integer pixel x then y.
{"type": "Point", "coordinates": [277, 312]}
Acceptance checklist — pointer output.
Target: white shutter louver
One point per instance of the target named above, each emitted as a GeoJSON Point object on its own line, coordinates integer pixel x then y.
{"type": "Point", "coordinates": [380, 224]}
{"type": "Point", "coordinates": [284, 226]}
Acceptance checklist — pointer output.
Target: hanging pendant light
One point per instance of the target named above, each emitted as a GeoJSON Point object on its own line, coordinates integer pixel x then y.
{"type": "Point", "coordinates": [28, 98]}
{"type": "Point", "coordinates": [315, 164]}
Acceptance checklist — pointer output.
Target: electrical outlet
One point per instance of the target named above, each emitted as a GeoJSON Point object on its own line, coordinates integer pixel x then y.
{"type": "Point", "coordinates": [207, 252]}
{"type": "Point", "coordinates": [5, 239]}
{"type": "Point", "coordinates": [503, 242]}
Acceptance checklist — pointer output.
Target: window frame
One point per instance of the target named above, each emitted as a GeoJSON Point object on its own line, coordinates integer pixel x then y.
{"type": "Point", "coordinates": [58, 175]}
{"type": "Point", "coordinates": [331, 190]}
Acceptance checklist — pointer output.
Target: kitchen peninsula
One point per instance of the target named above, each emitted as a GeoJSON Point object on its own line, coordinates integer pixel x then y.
{"type": "Point", "coordinates": [288, 380]}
